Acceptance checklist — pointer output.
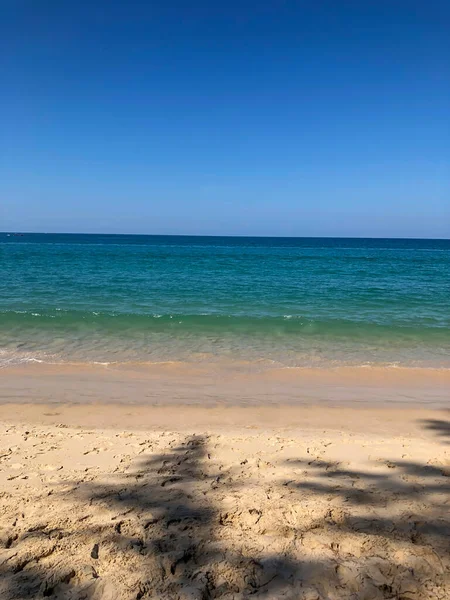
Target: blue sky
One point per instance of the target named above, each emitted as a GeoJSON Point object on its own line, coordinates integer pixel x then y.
{"type": "Point", "coordinates": [250, 118]}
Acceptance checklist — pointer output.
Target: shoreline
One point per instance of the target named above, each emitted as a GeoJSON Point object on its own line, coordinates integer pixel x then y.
{"type": "Point", "coordinates": [181, 384]}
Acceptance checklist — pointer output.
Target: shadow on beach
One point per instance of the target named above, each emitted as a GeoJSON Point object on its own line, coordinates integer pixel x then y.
{"type": "Point", "coordinates": [177, 525]}
{"type": "Point", "coordinates": [440, 427]}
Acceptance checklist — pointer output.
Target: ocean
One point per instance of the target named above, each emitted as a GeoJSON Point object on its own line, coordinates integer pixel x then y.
{"type": "Point", "coordinates": [250, 302]}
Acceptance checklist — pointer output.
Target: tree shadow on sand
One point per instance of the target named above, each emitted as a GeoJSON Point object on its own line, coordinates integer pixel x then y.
{"type": "Point", "coordinates": [159, 532]}
{"type": "Point", "coordinates": [391, 528]}
{"type": "Point", "coordinates": [440, 427]}
{"type": "Point", "coordinates": [160, 529]}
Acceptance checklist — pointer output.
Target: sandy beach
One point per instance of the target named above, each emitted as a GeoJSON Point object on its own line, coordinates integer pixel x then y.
{"type": "Point", "coordinates": [224, 301]}
{"type": "Point", "coordinates": [224, 501]}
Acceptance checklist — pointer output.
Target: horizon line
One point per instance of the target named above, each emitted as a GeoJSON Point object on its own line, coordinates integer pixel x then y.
{"type": "Point", "coordinates": [228, 235]}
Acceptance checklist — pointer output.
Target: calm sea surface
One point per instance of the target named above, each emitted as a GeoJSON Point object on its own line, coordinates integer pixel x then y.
{"type": "Point", "coordinates": [257, 301]}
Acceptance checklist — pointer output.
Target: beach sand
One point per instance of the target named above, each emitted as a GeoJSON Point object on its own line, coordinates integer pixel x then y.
{"type": "Point", "coordinates": [169, 500]}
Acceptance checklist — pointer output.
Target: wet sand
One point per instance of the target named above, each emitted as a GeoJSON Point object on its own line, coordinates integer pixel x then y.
{"type": "Point", "coordinates": [215, 498]}
{"type": "Point", "coordinates": [223, 384]}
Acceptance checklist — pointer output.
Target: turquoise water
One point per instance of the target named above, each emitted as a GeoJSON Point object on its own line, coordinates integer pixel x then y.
{"type": "Point", "coordinates": [262, 301]}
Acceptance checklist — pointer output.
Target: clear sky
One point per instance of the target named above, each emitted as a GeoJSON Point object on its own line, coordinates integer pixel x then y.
{"type": "Point", "coordinates": [269, 117]}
